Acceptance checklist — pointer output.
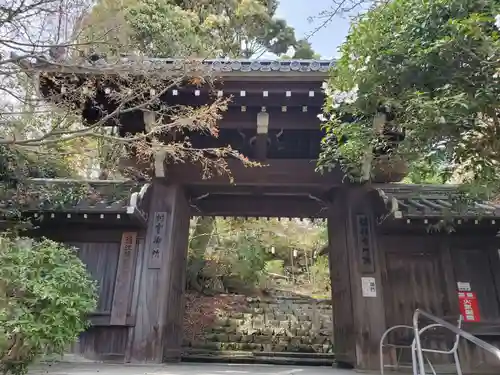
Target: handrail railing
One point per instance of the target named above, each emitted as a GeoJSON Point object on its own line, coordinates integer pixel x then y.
{"type": "Point", "coordinates": [382, 345]}
{"type": "Point", "coordinates": [453, 351]}
{"type": "Point", "coordinates": [458, 331]}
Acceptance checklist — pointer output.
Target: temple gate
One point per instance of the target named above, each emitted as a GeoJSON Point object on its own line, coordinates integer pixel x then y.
{"type": "Point", "coordinates": [139, 245]}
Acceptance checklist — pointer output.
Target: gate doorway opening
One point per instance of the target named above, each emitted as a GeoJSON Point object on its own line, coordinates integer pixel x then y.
{"type": "Point", "coordinates": [258, 289]}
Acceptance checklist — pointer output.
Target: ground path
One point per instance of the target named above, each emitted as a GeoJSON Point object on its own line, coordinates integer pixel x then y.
{"type": "Point", "coordinates": [183, 369]}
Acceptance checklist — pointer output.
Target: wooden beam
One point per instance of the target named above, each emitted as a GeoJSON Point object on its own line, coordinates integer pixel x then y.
{"type": "Point", "coordinates": [240, 189]}
{"type": "Point", "coordinates": [105, 321]}
{"type": "Point", "coordinates": [258, 86]}
{"type": "Point", "coordinates": [293, 118]}
{"type": "Point", "coordinates": [297, 172]}
{"type": "Point", "coordinates": [259, 206]}
{"type": "Point", "coordinates": [249, 99]}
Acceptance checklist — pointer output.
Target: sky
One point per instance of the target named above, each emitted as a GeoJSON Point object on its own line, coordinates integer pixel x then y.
{"type": "Point", "coordinates": [327, 40]}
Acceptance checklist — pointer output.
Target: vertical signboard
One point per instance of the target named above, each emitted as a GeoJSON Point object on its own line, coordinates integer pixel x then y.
{"type": "Point", "coordinates": [124, 278]}
{"type": "Point", "coordinates": [364, 244]}
{"type": "Point", "coordinates": [157, 243]}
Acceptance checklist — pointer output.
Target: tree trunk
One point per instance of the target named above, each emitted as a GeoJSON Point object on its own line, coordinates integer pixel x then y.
{"type": "Point", "coordinates": [198, 243]}
{"type": "Point", "coordinates": [201, 236]}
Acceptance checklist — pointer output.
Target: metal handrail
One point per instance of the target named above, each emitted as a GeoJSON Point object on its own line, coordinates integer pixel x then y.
{"type": "Point", "coordinates": [458, 331]}
{"type": "Point", "coordinates": [382, 346]}
{"type": "Point", "coordinates": [452, 351]}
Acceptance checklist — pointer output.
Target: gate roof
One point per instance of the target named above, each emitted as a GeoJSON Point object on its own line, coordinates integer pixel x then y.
{"type": "Point", "coordinates": [71, 201]}
{"type": "Point", "coordinates": [434, 202]}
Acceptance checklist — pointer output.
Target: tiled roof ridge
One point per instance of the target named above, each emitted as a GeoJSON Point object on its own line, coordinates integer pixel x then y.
{"type": "Point", "coordinates": [213, 65]}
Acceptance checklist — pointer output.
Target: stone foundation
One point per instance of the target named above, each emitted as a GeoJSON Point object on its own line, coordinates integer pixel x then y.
{"type": "Point", "coordinates": [265, 324]}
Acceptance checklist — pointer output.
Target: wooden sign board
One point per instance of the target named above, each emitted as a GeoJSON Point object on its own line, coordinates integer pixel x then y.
{"type": "Point", "coordinates": [158, 241]}
{"type": "Point", "coordinates": [124, 278]}
{"type": "Point", "coordinates": [363, 235]}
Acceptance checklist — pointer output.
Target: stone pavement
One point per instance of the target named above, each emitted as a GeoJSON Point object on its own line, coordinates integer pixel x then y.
{"type": "Point", "coordinates": [182, 369]}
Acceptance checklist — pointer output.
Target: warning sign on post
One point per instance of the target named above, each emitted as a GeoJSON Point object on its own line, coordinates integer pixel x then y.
{"type": "Point", "coordinates": [469, 307]}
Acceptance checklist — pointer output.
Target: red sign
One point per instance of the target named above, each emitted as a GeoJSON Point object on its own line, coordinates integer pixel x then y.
{"type": "Point", "coordinates": [469, 308]}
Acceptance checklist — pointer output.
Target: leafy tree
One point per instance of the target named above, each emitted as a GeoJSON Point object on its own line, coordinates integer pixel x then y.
{"type": "Point", "coordinates": [167, 28]}
{"type": "Point", "coordinates": [41, 307]}
{"type": "Point", "coordinates": [430, 68]}
{"type": "Point", "coordinates": [320, 274]}
{"type": "Point", "coordinates": [302, 50]}
{"type": "Point", "coordinates": [241, 253]}
{"type": "Point", "coordinates": [45, 294]}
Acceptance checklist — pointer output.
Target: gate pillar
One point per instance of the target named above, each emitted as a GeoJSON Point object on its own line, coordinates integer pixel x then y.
{"type": "Point", "coordinates": [355, 269]}
{"type": "Point", "coordinates": [160, 278]}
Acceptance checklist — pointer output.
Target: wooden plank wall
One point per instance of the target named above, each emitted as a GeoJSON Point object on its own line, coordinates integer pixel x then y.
{"type": "Point", "coordinates": [422, 271]}
{"type": "Point", "coordinates": [101, 260]}
{"type": "Point", "coordinates": [112, 265]}
{"type": "Point", "coordinates": [141, 278]}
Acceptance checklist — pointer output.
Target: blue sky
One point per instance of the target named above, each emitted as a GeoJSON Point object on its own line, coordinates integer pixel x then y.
{"type": "Point", "coordinates": [327, 40]}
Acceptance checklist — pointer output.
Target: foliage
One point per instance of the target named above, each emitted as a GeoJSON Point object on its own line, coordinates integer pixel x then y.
{"type": "Point", "coordinates": [45, 293]}
{"type": "Point", "coordinates": [302, 50]}
{"type": "Point", "coordinates": [434, 67]}
{"type": "Point", "coordinates": [54, 126]}
{"type": "Point", "coordinates": [275, 266]}
{"type": "Point", "coordinates": [320, 274]}
{"type": "Point", "coordinates": [194, 28]}
{"type": "Point", "coordinates": [242, 253]}
{"type": "Point", "coordinates": [249, 260]}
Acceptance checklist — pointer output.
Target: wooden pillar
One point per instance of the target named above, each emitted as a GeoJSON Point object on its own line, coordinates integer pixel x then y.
{"type": "Point", "coordinates": [160, 279]}
{"type": "Point", "coordinates": [340, 275]}
{"type": "Point", "coordinates": [359, 313]}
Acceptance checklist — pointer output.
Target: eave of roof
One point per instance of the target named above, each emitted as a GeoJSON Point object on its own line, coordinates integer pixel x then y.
{"type": "Point", "coordinates": [432, 201]}
{"type": "Point", "coordinates": [104, 198]}
{"type": "Point", "coordinates": [237, 68]}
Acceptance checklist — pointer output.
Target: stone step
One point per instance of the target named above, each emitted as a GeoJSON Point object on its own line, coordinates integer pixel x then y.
{"type": "Point", "coordinates": [329, 356]}
{"type": "Point", "coordinates": [256, 347]}
{"type": "Point", "coordinates": [197, 355]}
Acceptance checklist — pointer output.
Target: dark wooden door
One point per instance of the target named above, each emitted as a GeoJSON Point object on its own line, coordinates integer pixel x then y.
{"type": "Point", "coordinates": [414, 281]}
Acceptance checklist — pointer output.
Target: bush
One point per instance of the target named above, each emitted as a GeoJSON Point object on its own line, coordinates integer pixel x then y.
{"type": "Point", "coordinates": [275, 266]}
{"type": "Point", "coordinates": [320, 274]}
{"type": "Point", "coordinates": [45, 295]}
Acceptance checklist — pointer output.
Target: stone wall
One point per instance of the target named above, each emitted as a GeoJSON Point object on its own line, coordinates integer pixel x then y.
{"type": "Point", "coordinates": [258, 324]}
